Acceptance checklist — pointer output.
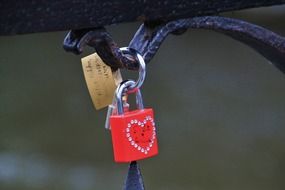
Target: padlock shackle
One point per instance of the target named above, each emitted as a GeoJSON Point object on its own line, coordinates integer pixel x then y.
{"type": "Point", "coordinates": [122, 89]}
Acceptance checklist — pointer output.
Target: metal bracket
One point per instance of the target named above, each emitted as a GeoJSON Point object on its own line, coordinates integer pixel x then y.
{"type": "Point", "coordinates": [150, 36]}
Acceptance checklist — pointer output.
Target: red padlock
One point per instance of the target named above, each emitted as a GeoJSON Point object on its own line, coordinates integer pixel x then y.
{"type": "Point", "coordinates": [133, 132]}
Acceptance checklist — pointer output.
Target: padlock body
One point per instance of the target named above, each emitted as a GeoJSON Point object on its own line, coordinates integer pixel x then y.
{"type": "Point", "coordinates": [134, 135]}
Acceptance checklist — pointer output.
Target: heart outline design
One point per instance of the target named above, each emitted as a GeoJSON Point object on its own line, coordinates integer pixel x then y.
{"type": "Point", "coordinates": [130, 138]}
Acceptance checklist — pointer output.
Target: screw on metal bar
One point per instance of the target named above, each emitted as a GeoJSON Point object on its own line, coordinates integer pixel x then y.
{"type": "Point", "coordinates": [150, 36]}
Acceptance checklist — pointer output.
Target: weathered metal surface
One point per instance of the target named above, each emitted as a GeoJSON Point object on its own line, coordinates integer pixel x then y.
{"type": "Point", "coordinates": [149, 37]}
{"type": "Point", "coordinates": [20, 17]}
{"type": "Point", "coordinates": [266, 42]}
{"type": "Point", "coordinates": [101, 40]}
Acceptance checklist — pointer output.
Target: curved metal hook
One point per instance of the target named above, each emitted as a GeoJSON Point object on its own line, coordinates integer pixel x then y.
{"type": "Point", "coordinates": [266, 42]}
{"type": "Point", "coordinates": [149, 37]}
{"type": "Point", "coordinates": [104, 45]}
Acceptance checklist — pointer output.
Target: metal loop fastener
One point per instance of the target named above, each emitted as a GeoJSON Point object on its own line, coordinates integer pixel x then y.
{"type": "Point", "coordinates": [142, 67]}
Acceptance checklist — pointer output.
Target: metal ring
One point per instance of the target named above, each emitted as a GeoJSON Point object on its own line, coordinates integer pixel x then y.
{"type": "Point", "coordinates": [142, 68]}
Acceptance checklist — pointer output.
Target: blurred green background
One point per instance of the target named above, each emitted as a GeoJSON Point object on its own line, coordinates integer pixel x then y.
{"type": "Point", "coordinates": [220, 112]}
